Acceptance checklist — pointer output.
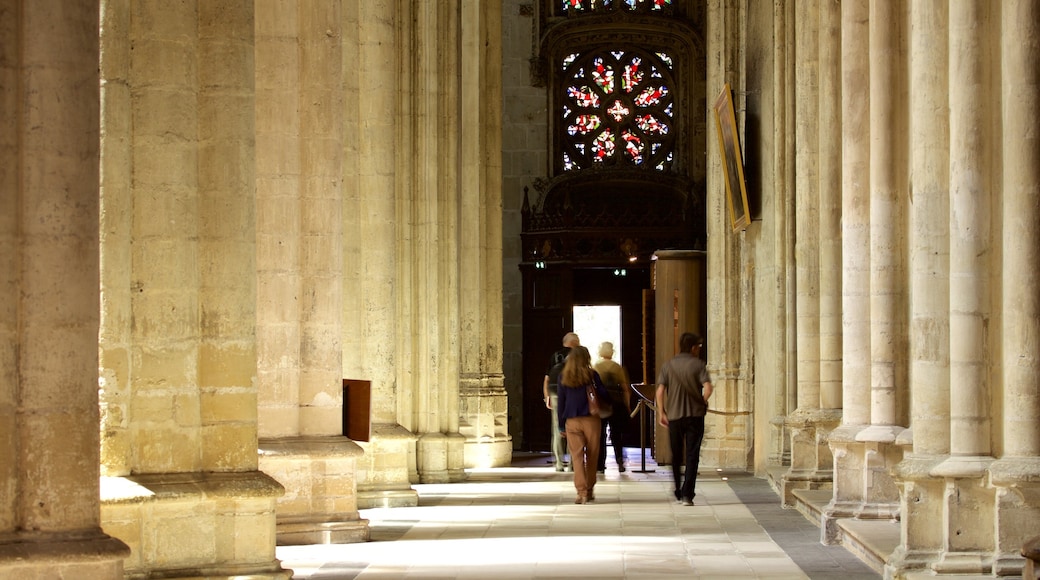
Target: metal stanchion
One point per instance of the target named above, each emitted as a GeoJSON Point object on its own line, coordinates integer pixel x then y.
{"type": "Point", "coordinates": [641, 407]}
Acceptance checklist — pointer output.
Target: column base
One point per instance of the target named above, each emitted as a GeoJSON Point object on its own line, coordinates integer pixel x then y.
{"type": "Point", "coordinates": [488, 452]}
{"type": "Point", "coordinates": [68, 555]}
{"type": "Point", "coordinates": [211, 526]}
{"type": "Point", "coordinates": [388, 469]}
{"type": "Point", "coordinates": [320, 502]}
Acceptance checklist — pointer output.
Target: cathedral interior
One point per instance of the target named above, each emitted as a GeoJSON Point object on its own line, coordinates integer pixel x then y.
{"type": "Point", "coordinates": [266, 266]}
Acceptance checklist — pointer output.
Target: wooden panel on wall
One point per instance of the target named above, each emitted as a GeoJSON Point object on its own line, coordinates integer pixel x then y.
{"type": "Point", "coordinates": [357, 409]}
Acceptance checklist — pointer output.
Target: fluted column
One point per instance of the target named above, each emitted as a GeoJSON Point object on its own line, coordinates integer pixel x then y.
{"type": "Point", "coordinates": [49, 135]}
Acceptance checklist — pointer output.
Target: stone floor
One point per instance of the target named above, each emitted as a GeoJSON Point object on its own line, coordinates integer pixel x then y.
{"type": "Point", "coordinates": [521, 522]}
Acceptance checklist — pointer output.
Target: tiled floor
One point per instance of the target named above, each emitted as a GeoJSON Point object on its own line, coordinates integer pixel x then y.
{"type": "Point", "coordinates": [521, 522]}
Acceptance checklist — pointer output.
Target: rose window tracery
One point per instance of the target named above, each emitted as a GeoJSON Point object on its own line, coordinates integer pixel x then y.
{"type": "Point", "coordinates": [618, 109]}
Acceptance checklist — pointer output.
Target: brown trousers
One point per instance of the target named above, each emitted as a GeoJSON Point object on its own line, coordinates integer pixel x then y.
{"type": "Point", "coordinates": [583, 435]}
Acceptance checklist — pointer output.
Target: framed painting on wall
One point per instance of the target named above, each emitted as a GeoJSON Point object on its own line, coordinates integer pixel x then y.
{"type": "Point", "coordinates": [732, 161]}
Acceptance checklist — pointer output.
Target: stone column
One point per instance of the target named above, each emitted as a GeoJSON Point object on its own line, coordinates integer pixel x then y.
{"type": "Point", "coordinates": [775, 409]}
{"type": "Point", "coordinates": [483, 405]}
{"type": "Point", "coordinates": [850, 484]}
{"type": "Point", "coordinates": [817, 121]}
{"type": "Point", "coordinates": [921, 496]}
{"type": "Point", "coordinates": [888, 272]}
{"type": "Point", "coordinates": [429, 322]}
{"type": "Point", "coordinates": [300, 132]}
{"type": "Point", "coordinates": [49, 133]}
{"type": "Point", "coordinates": [374, 50]}
{"type": "Point", "coordinates": [177, 340]}
{"type": "Point", "coordinates": [1017, 472]}
{"type": "Point", "coordinates": [972, 191]}
{"type": "Point", "coordinates": [726, 436]}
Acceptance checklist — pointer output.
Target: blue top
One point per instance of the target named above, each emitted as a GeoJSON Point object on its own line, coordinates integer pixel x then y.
{"type": "Point", "coordinates": [573, 402]}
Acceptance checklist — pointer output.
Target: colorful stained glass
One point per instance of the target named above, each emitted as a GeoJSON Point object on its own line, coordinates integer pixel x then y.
{"type": "Point", "coordinates": [649, 124]}
{"type": "Point", "coordinates": [584, 124]}
{"type": "Point", "coordinates": [603, 75]}
{"type": "Point", "coordinates": [633, 146]}
{"type": "Point", "coordinates": [591, 5]}
{"type": "Point", "coordinates": [632, 75]}
{"type": "Point", "coordinates": [603, 146]}
{"type": "Point", "coordinates": [651, 96]}
{"type": "Point", "coordinates": [584, 97]}
{"type": "Point", "coordinates": [618, 111]}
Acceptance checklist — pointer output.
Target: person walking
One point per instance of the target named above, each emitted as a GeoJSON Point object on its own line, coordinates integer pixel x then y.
{"type": "Point", "coordinates": [581, 428]}
{"type": "Point", "coordinates": [550, 384]}
{"type": "Point", "coordinates": [616, 380]}
{"type": "Point", "coordinates": [683, 390]}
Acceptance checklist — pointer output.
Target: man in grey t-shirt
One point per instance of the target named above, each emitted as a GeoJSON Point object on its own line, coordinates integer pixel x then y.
{"type": "Point", "coordinates": [683, 390]}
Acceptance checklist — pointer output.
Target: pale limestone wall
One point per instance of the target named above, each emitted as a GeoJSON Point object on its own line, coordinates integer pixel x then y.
{"type": "Point", "coordinates": [50, 525]}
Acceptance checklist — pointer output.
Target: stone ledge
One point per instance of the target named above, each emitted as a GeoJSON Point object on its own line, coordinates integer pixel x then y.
{"type": "Point", "coordinates": [811, 503]}
{"type": "Point", "coordinates": [65, 548]}
{"type": "Point", "coordinates": [166, 486]}
{"type": "Point", "coordinates": [872, 541]}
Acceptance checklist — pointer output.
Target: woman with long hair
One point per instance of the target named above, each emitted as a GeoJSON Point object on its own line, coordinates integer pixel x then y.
{"type": "Point", "coordinates": [577, 423]}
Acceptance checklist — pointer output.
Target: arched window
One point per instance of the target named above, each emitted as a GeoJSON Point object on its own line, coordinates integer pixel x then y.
{"type": "Point", "coordinates": [621, 76]}
{"type": "Point", "coordinates": [626, 136]}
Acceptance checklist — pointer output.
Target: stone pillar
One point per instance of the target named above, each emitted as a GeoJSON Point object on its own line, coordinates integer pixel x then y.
{"type": "Point", "coordinates": [483, 404]}
{"type": "Point", "coordinates": [771, 411]}
{"type": "Point", "coordinates": [921, 496]}
{"type": "Point", "coordinates": [888, 271]}
{"type": "Point", "coordinates": [177, 339]}
{"type": "Point", "coordinates": [849, 487]}
{"type": "Point", "coordinates": [855, 217]}
{"type": "Point", "coordinates": [972, 191]}
{"type": "Point", "coordinates": [817, 121]}
{"type": "Point", "coordinates": [374, 37]}
{"type": "Point", "coordinates": [429, 322]}
{"type": "Point", "coordinates": [49, 133]}
{"type": "Point", "coordinates": [1017, 472]}
{"type": "Point", "coordinates": [300, 67]}
{"type": "Point", "coordinates": [727, 437]}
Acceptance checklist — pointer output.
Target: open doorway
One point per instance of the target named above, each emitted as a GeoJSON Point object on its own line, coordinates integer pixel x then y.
{"type": "Point", "coordinates": [598, 324]}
